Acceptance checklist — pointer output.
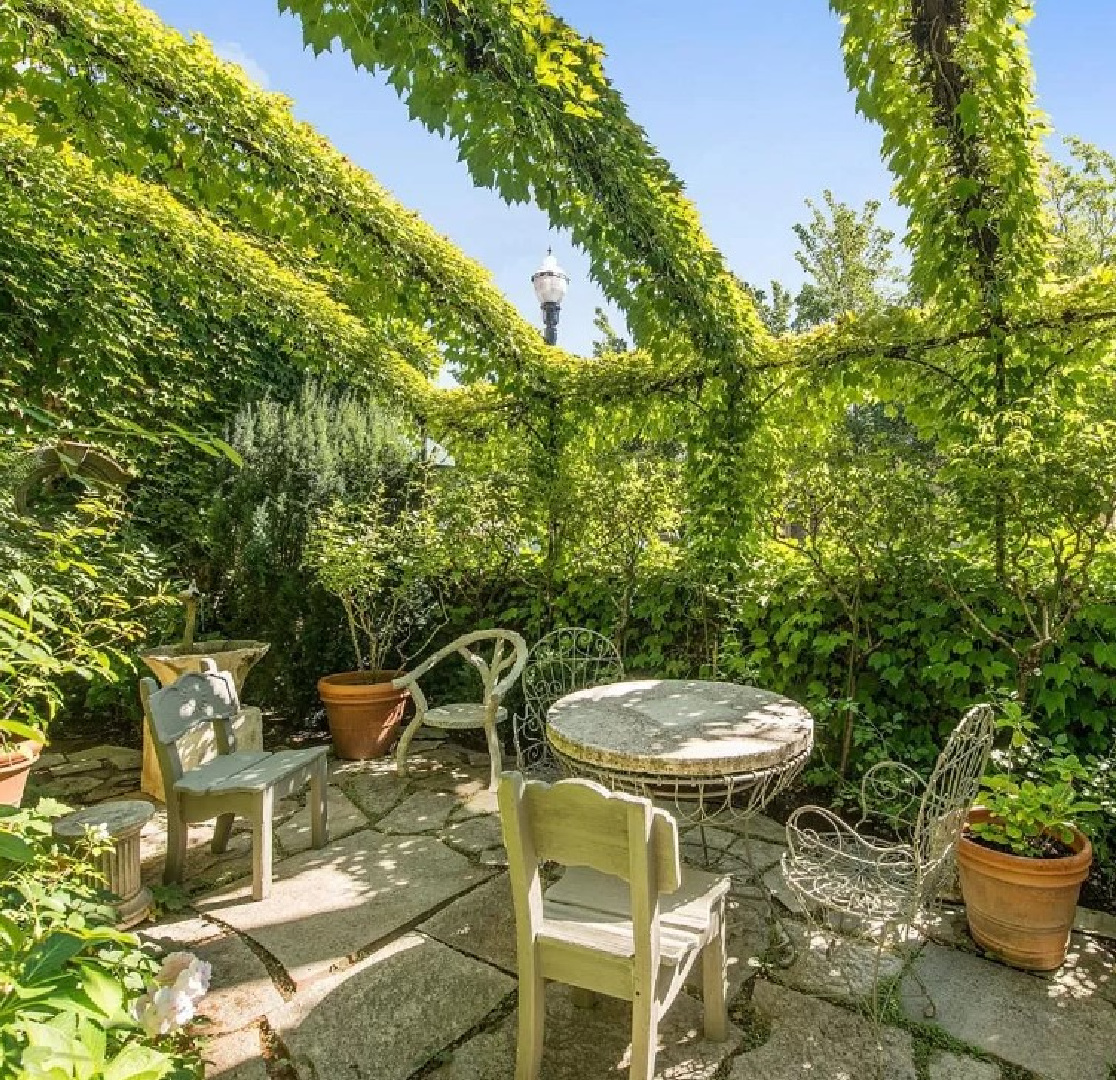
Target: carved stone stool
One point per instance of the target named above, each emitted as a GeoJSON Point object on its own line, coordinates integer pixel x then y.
{"type": "Point", "coordinates": [124, 821]}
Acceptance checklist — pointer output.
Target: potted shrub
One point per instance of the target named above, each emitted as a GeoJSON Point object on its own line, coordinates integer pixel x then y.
{"type": "Point", "coordinates": [373, 559]}
{"type": "Point", "coordinates": [1022, 858]}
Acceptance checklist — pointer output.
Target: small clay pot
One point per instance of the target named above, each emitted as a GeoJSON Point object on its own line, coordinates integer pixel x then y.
{"type": "Point", "coordinates": [1022, 909]}
{"type": "Point", "coordinates": [364, 712]}
{"type": "Point", "coordinates": [15, 765]}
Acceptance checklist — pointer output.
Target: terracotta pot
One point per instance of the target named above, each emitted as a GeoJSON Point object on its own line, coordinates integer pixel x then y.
{"type": "Point", "coordinates": [364, 711]}
{"type": "Point", "coordinates": [15, 764]}
{"type": "Point", "coordinates": [1021, 909]}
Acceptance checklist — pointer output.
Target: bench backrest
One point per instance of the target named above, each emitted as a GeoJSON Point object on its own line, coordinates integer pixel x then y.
{"type": "Point", "coordinates": [190, 721]}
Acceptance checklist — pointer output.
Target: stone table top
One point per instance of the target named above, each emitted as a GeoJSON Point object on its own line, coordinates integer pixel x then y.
{"type": "Point", "coordinates": [120, 818]}
{"type": "Point", "coordinates": [680, 727]}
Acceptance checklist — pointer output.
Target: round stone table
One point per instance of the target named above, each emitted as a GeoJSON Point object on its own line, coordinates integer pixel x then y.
{"type": "Point", "coordinates": [719, 746]}
{"type": "Point", "coordinates": [124, 821]}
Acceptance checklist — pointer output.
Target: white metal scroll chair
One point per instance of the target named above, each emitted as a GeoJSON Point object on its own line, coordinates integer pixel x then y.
{"type": "Point", "coordinates": [498, 675]}
{"type": "Point", "coordinates": [204, 776]}
{"type": "Point", "coordinates": [568, 659]}
{"type": "Point", "coordinates": [843, 870]}
{"type": "Point", "coordinates": [624, 920]}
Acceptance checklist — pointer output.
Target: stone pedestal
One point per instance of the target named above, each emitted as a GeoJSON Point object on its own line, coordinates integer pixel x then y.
{"type": "Point", "coordinates": [124, 821]}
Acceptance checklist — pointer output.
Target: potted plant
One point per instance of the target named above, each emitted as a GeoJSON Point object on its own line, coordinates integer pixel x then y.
{"type": "Point", "coordinates": [1022, 859]}
{"type": "Point", "coordinates": [372, 558]}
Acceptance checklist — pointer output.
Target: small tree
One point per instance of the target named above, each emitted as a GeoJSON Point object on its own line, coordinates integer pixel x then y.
{"type": "Point", "coordinates": [376, 559]}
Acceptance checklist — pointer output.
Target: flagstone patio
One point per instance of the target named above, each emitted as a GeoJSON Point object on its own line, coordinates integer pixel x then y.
{"type": "Point", "coordinates": [390, 955]}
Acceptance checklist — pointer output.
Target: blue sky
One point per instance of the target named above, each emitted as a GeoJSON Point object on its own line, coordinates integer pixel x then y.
{"type": "Point", "coordinates": [745, 98]}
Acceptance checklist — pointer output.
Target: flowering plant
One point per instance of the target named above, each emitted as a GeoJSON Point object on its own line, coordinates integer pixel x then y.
{"type": "Point", "coordinates": [169, 1003]}
{"type": "Point", "coordinates": [80, 1000]}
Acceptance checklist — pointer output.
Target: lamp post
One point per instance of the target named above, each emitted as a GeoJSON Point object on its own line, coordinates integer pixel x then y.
{"type": "Point", "coordinates": [551, 283]}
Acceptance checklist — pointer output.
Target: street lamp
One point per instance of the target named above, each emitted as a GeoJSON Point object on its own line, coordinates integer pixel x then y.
{"type": "Point", "coordinates": [551, 283]}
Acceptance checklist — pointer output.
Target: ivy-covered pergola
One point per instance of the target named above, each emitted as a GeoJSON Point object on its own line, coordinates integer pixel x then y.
{"type": "Point", "coordinates": [993, 348]}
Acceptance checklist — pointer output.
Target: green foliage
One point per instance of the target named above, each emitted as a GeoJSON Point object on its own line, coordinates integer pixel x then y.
{"type": "Point", "coordinates": [848, 260]}
{"type": "Point", "coordinates": [80, 595]}
{"type": "Point", "coordinates": [1039, 801]}
{"type": "Point", "coordinates": [375, 559]}
{"type": "Point", "coordinates": [121, 304]}
{"type": "Point", "coordinates": [68, 980]}
{"type": "Point", "coordinates": [1081, 207]}
{"type": "Point", "coordinates": [300, 457]}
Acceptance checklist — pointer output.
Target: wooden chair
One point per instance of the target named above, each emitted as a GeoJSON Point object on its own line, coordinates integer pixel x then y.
{"type": "Point", "coordinates": [204, 777]}
{"type": "Point", "coordinates": [624, 920]}
{"type": "Point", "coordinates": [509, 654]}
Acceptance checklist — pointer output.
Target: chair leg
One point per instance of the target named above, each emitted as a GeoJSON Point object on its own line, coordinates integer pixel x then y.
{"type": "Point", "coordinates": [493, 754]}
{"type": "Point", "coordinates": [319, 804]}
{"type": "Point", "coordinates": [261, 846]}
{"type": "Point", "coordinates": [532, 1014]}
{"type": "Point", "coordinates": [220, 842]}
{"type": "Point", "coordinates": [405, 744]}
{"type": "Point", "coordinates": [645, 1035]}
{"type": "Point", "coordinates": [177, 834]}
{"type": "Point", "coordinates": [714, 961]}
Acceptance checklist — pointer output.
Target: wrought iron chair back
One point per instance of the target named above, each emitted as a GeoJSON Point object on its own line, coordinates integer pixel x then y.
{"type": "Point", "coordinates": [950, 791]}
{"type": "Point", "coordinates": [567, 659]}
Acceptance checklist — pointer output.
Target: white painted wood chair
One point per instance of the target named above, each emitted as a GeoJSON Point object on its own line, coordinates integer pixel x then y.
{"type": "Point", "coordinates": [509, 654]}
{"type": "Point", "coordinates": [624, 920]}
{"type": "Point", "coordinates": [204, 777]}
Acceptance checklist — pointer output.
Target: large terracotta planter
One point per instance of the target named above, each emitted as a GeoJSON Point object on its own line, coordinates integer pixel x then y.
{"type": "Point", "coordinates": [15, 765]}
{"type": "Point", "coordinates": [1021, 909]}
{"type": "Point", "coordinates": [364, 711]}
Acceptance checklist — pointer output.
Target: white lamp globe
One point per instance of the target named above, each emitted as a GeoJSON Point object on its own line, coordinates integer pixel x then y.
{"type": "Point", "coordinates": [550, 281]}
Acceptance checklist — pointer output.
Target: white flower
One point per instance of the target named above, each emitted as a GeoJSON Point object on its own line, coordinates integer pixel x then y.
{"type": "Point", "coordinates": [185, 973]}
{"type": "Point", "coordinates": [163, 1010]}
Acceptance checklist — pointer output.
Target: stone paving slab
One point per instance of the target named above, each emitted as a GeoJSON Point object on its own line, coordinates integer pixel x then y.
{"type": "Point", "coordinates": [1027, 1020]}
{"type": "Point", "coordinates": [422, 812]}
{"type": "Point", "coordinates": [328, 905]}
{"type": "Point", "coordinates": [812, 1039]}
{"type": "Point", "coordinates": [594, 1044]}
{"type": "Point", "coordinates": [294, 835]}
{"type": "Point", "coordinates": [481, 923]}
{"type": "Point", "coordinates": [236, 1056]}
{"type": "Point", "coordinates": [119, 757]}
{"type": "Point", "coordinates": [475, 835]}
{"type": "Point", "coordinates": [952, 1067]}
{"type": "Point", "coordinates": [389, 1014]}
{"type": "Point", "coordinates": [846, 974]}
{"type": "Point", "coordinates": [1095, 922]}
{"type": "Point", "coordinates": [376, 793]}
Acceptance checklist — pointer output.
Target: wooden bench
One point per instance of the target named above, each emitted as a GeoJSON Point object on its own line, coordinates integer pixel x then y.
{"type": "Point", "coordinates": [191, 726]}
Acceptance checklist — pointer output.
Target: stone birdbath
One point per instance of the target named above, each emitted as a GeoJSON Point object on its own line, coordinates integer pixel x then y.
{"type": "Point", "coordinates": [168, 662]}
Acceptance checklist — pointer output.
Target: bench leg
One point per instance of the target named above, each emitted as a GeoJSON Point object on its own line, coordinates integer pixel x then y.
{"type": "Point", "coordinates": [319, 804]}
{"type": "Point", "coordinates": [177, 833]}
{"type": "Point", "coordinates": [261, 845]}
{"type": "Point", "coordinates": [220, 842]}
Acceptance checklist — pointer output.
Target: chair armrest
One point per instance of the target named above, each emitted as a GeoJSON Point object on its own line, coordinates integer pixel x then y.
{"type": "Point", "coordinates": [891, 782]}
{"type": "Point", "coordinates": [508, 681]}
